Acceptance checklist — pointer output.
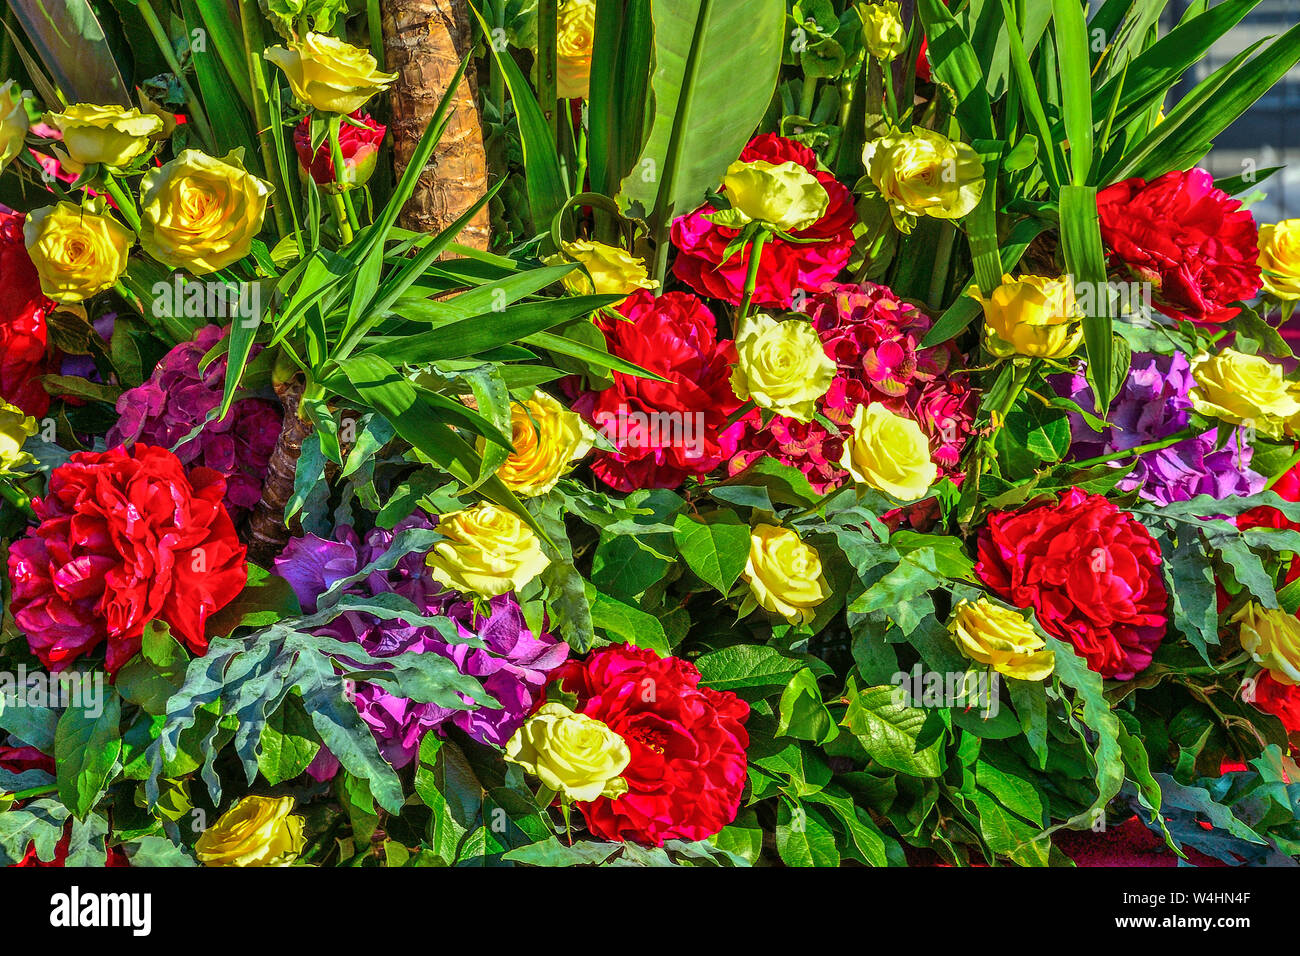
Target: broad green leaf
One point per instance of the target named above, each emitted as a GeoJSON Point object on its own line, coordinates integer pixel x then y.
{"type": "Point", "coordinates": [715, 549]}
{"type": "Point", "coordinates": [86, 748]}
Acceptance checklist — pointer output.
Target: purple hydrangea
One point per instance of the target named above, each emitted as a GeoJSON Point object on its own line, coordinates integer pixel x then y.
{"type": "Point", "coordinates": [1153, 405]}
{"type": "Point", "coordinates": [178, 397]}
{"type": "Point", "coordinates": [513, 666]}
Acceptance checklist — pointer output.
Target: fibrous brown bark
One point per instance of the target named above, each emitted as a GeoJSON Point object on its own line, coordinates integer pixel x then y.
{"type": "Point", "coordinates": [267, 530]}
{"type": "Point", "coordinates": [425, 40]}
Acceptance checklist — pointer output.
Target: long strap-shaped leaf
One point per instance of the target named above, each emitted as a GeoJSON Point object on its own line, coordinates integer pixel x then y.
{"type": "Point", "coordinates": [70, 42]}
{"type": "Point", "coordinates": [1084, 257]}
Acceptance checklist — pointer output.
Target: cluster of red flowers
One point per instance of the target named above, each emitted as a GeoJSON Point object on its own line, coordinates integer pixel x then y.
{"type": "Point", "coordinates": [24, 355]}
{"type": "Point", "coordinates": [124, 538]}
{"type": "Point", "coordinates": [687, 745]}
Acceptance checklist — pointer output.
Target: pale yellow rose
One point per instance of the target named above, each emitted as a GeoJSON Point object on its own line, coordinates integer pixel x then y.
{"type": "Point", "coordinates": [889, 453]}
{"type": "Point", "coordinates": [200, 213]}
{"type": "Point", "coordinates": [783, 196]}
{"type": "Point", "coordinates": [1243, 389]}
{"type": "Point", "coordinates": [781, 366]}
{"type": "Point", "coordinates": [77, 253]}
{"type": "Point", "coordinates": [1031, 315]}
{"type": "Point", "coordinates": [784, 574]}
{"type": "Point", "coordinates": [573, 45]}
{"type": "Point", "coordinates": [13, 121]}
{"type": "Point", "coordinates": [923, 173]}
{"type": "Point", "coordinates": [16, 426]}
{"type": "Point", "coordinates": [1279, 257]}
{"type": "Point", "coordinates": [606, 270]}
{"type": "Point", "coordinates": [328, 74]}
{"type": "Point", "coordinates": [108, 135]}
{"type": "Point", "coordinates": [256, 831]}
{"type": "Point", "coordinates": [548, 439]}
{"type": "Point", "coordinates": [1272, 638]}
{"type": "Point", "coordinates": [1001, 638]}
{"type": "Point", "coordinates": [487, 551]}
{"type": "Point", "coordinates": [882, 30]}
{"type": "Point", "coordinates": [572, 754]}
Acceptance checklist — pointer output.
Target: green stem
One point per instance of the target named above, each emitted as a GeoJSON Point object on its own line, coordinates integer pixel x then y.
{"type": "Point", "coordinates": [1290, 463]}
{"type": "Point", "coordinates": [341, 217]}
{"type": "Point", "coordinates": [942, 259]}
{"type": "Point", "coordinates": [169, 55]}
{"type": "Point", "coordinates": [125, 202]}
{"type": "Point", "coordinates": [891, 101]}
{"type": "Point", "coordinates": [808, 97]}
{"type": "Point", "coordinates": [16, 497]}
{"type": "Point", "coordinates": [254, 43]}
{"type": "Point", "coordinates": [1134, 452]}
{"type": "Point", "coordinates": [374, 20]}
{"type": "Point", "coordinates": [751, 276]}
{"type": "Point", "coordinates": [336, 157]}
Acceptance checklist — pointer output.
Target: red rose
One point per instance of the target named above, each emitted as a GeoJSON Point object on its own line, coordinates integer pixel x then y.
{"type": "Point", "coordinates": [23, 352]}
{"type": "Point", "coordinates": [124, 538]}
{"type": "Point", "coordinates": [785, 266]}
{"type": "Point", "coordinates": [1287, 487]}
{"type": "Point", "coordinates": [1280, 700]}
{"type": "Point", "coordinates": [1192, 242]}
{"type": "Point", "coordinates": [665, 431]}
{"type": "Point", "coordinates": [687, 744]}
{"type": "Point", "coordinates": [359, 146]}
{"type": "Point", "coordinates": [1090, 572]}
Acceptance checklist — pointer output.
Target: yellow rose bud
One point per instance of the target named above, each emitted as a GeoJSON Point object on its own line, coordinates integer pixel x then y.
{"type": "Point", "coordinates": [13, 121]}
{"type": "Point", "coordinates": [200, 213]}
{"type": "Point", "coordinates": [487, 551]}
{"type": "Point", "coordinates": [1245, 390]}
{"type": "Point", "coordinates": [572, 754]}
{"type": "Point", "coordinates": [1031, 315]}
{"type": "Point", "coordinates": [923, 173]}
{"type": "Point", "coordinates": [1279, 257]}
{"type": "Point", "coordinates": [573, 45]}
{"type": "Point", "coordinates": [328, 74]}
{"type": "Point", "coordinates": [1001, 638]}
{"type": "Point", "coordinates": [785, 574]}
{"type": "Point", "coordinates": [786, 196]}
{"type": "Point", "coordinates": [1272, 637]}
{"type": "Point", "coordinates": [77, 253]}
{"type": "Point", "coordinates": [889, 453]}
{"type": "Point", "coordinates": [15, 428]}
{"type": "Point", "coordinates": [608, 270]}
{"type": "Point", "coordinates": [256, 831]}
{"type": "Point", "coordinates": [781, 366]}
{"type": "Point", "coordinates": [108, 135]}
{"type": "Point", "coordinates": [882, 30]}
{"type": "Point", "coordinates": [547, 438]}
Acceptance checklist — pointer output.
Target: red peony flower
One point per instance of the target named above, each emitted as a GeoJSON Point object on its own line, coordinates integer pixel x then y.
{"type": "Point", "coordinates": [1090, 572]}
{"type": "Point", "coordinates": [24, 355]}
{"type": "Point", "coordinates": [359, 146]}
{"type": "Point", "coordinates": [785, 266]}
{"type": "Point", "coordinates": [1192, 242]}
{"type": "Point", "coordinates": [665, 431]}
{"type": "Point", "coordinates": [1287, 487]}
{"type": "Point", "coordinates": [1280, 700]}
{"type": "Point", "coordinates": [124, 538]}
{"type": "Point", "coordinates": [687, 743]}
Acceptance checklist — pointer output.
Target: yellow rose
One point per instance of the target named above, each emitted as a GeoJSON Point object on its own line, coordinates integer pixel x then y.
{"type": "Point", "coordinates": [487, 551]}
{"type": "Point", "coordinates": [889, 453]}
{"type": "Point", "coordinates": [572, 754]}
{"type": "Point", "coordinates": [1279, 257]}
{"type": "Point", "coordinates": [786, 196]}
{"type": "Point", "coordinates": [923, 173]}
{"type": "Point", "coordinates": [547, 438]}
{"type": "Point", "coordinates": [108, 135]}
{"type": "Point", "coordinates": [1246, 390]}
{"type": "Point", "coordinates": [13, 121]}
{"type": "Point", "coordinates": [573, 43]}
{"type": "Point", "coordinates": [16, 427]}
{"type": "Point", "coordinates": [1031, 315]}
{"type": "Point", "coordinates": [76, 252]}
{"type": "Point", "coordinates": [608, 270]}
{"type": "Point", "coordinates": [1272, 637]}
{"type": "Point", "coordinates": [328, 74]}
{"type": "Point", "coordinates": [1002, 639]}
{"type": "Point", "coordinates": [781, 366]}
{"type": "Point", "coordinates": [200, 213]}
{"type": "Point", "coordinates": [785, 574]}
{"type": "Point", "coordinates": [882, 30]}
{"type": "Point", "coordinates": [256, 831]}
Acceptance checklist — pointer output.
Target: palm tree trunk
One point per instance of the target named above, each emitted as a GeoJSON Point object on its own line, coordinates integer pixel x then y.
{"type": "Point", "coordinates": [425, 40]}
{"type": "Point", "coordinates": [267, 530]}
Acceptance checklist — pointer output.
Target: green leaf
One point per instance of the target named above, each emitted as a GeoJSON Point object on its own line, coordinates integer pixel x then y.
{"type": "Point", "coordinates": [289, 742]}
{"type": "Point", "coordinates": [804, 838]}
{"type": "Point", "coordinates": [1075, 64]}
{"type": "Point", "coordinates": [889, 730]}
{"type": "Point", "coordinates": [716, 549]}
{"type": "Point", "coordinates": [86, 748]}
{"type": "Point", "coordinates": [629, 625]}
{"type": "Point", "coordinates": [802, 713]}
{"type": "Point", "coordinates": [953, 61]}
{"type": "Point", "coordinates": [1081, 243]}
{"type": "Point", "coordinates": [71, 45]}
{"type": "Point", "coordinates": [746, 666]}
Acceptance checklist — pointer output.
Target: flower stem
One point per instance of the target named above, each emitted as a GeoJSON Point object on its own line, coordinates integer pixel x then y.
{"type": "Point", "coordinates": [125, 202]}
{"type": "Point", "coordinates": [751, 277]}
{"type": "Point", "coordinates": [1290, 463]}
{"type": "Point", "coordinates": [1134, 452]}
{"type": "Point", "coordinates": [254, 43]}
{"type": "Point", "coordinates": [169, 55]}
{"type": "Point", "coordinates": [16, 497]}
{"type": "Point", "coordinates": [336, 158]}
